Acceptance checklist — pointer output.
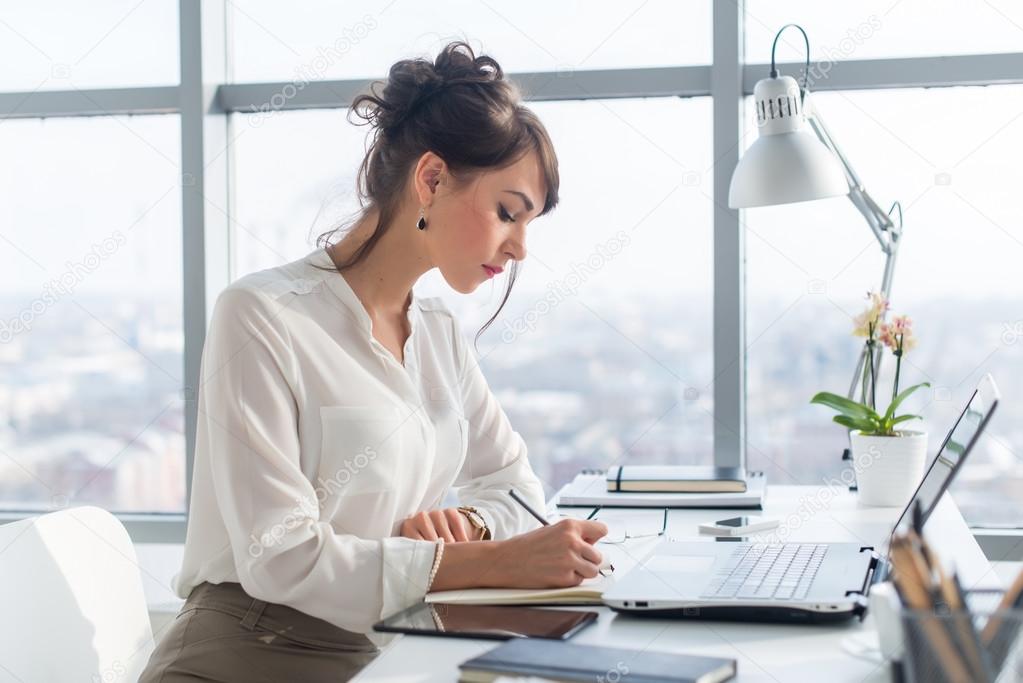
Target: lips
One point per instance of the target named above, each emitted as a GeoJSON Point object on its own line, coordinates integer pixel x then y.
{"type": "Point", "coordinates": [496, 270]}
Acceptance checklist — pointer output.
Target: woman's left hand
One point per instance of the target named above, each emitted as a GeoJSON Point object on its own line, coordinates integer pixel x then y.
{"type": "Point", "coordinates": [447, 523]}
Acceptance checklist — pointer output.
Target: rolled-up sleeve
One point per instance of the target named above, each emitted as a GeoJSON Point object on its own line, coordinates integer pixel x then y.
{"type": "Point", "coordinates": [248, 430]}
{"type": "Point", "coordinates": [497, 458]}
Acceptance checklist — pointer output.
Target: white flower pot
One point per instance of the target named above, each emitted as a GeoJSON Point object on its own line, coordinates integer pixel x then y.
{"type": "Point", "coordinates": [888, 468]}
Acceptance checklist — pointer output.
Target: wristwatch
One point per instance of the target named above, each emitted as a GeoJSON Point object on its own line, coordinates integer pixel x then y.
{"type": "Point", "coordinates": [476, 520]}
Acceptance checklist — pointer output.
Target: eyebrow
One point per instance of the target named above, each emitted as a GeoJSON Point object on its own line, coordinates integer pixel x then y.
{"type": "Point", "coordinates": [529, 203]}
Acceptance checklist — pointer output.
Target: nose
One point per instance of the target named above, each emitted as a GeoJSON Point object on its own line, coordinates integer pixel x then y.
{"type": "Point", "coordinates": [515, 248]}
{"type": "Point", "coordinates": [517, 254]}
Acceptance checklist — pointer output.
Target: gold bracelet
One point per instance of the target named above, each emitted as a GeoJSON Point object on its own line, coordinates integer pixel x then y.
{"type": "Point", "coordinates": [437, 554]}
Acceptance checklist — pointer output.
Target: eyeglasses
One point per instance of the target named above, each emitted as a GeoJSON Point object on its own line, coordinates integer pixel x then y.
{"type": "Point", "coordinates": [615, 536]}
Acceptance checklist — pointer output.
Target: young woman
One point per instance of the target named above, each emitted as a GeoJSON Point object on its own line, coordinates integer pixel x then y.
{"type": "Point", "coordinates": [337, 408]}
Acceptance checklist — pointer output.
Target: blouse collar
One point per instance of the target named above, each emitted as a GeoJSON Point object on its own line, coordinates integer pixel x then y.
{"type": "Point", "coordinates": [337, 283]}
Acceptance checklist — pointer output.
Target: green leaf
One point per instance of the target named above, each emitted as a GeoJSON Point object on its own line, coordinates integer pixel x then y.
{"type": "Point", "coordinates": [900, 398]}
{"type": "Point", "coordinates": [866, 426]}
{"type": "Point", "coordinates": [903, 418]}
{"type": "Point", "coordinates": [844, 405]}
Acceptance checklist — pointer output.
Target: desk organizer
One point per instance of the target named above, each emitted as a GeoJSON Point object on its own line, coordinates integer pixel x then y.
{"type": "Point", "coordinates": [982, 644]}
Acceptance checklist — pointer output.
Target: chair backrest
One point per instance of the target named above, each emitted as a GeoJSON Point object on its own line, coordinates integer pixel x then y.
{"type": "Point", "coordinates": [71, 600]}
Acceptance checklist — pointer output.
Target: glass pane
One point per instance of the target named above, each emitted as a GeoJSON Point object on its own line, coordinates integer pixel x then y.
{"type": "Point", "coordinates": [617, 366]}
{"type": "Point", "coordinates": [67, 45]}
{"type": "Point", "coordinates": [90, 315]}
{"type": "Point", "coordinates": [957, 276]}
{"type": "Point", "coordinates": [334, 40]}
{"type": "Point", "coordinates": [873, 29]}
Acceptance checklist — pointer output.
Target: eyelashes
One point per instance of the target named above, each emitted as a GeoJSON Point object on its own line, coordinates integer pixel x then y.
{"type": "Point", "coordinates": [503, 214]}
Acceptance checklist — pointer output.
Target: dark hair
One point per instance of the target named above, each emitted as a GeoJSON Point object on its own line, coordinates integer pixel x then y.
{"type": "Point", "coordinates": [461, 108]}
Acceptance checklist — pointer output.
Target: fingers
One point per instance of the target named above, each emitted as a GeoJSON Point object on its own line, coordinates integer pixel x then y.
{"type": "Point", "coordinates": [425, 527]}
{"type": "Point", "coordinates": [592, 530]}
{"type": "Point", "coordinates": [409, 530]}
{"type": "Point", "coordinates": [448, 523]}
{"type": "Point", "coordinates": [457, 524]}
{"type": "Point", "coordinates": [591, 554]}
{"type": "Point", "coordinates": [440, 525]}
{"type": "Point", "coordinates": [585, 568]}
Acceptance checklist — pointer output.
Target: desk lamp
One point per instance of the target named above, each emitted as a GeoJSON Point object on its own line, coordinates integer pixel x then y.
{"type": "Point", "coordinates": [788, 164]}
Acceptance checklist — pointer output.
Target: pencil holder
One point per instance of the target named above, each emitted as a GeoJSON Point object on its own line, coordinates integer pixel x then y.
{"type": "Point", "coordinates": [981, 645]}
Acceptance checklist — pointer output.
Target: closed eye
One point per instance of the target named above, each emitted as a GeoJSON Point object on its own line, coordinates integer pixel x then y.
{"type": "Point", "coordinates": [503, 214]}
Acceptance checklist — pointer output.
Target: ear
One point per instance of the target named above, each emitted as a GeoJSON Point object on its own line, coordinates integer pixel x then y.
{"type": "Point", "coordinates": [428, 173]}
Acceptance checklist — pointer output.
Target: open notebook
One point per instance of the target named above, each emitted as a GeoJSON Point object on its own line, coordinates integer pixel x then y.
{"type": "Point", "coordinates": [588, 592]}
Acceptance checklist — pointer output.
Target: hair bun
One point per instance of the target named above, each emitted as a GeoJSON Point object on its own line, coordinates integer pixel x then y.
{"type": "Point", "coordinates": [411, 83]}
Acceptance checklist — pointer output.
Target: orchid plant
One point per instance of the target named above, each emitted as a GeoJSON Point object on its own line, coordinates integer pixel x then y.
{"type": "Point", "coordinates": [897, 336]}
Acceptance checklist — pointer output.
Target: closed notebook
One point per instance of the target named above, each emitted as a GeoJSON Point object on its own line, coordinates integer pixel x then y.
{"type": "Point", "coordinates": [678, 478]}
{"type": "Point", "coordinates": [560, 661]}
{"type": "Point", "coordinates": [590, 490]}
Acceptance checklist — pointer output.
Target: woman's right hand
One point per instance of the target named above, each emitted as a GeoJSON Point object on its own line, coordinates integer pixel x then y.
{"type": "Point", "coordinates": [554, 556]}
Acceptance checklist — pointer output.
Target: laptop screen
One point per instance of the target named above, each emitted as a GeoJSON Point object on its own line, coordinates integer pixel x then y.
{"type": "Point", "coordinates": [952, 452]}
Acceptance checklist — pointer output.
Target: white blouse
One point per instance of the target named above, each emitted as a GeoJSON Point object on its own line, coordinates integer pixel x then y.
{"type": "Point", "coordinates": [314, 443]}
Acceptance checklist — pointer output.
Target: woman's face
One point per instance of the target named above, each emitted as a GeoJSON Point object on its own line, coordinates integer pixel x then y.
{"type": "Point", "coordinates": [484, 223]}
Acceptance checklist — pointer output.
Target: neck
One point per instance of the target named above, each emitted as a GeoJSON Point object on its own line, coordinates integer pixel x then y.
{"type": "Point", "coordinates": [383, 279]}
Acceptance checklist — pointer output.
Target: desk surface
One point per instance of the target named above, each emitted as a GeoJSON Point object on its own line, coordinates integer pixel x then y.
{"type": "Point", "coordinates": [765, 652]}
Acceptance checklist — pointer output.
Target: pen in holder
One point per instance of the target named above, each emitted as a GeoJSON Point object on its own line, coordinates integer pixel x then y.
{"type": "Point", "coordinates": [951, 635]}
{"type": "Point", "coordinates": [963, 646]}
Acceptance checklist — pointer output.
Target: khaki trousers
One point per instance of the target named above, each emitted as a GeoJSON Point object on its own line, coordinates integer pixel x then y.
{"type": "Point", "coordinates": [223, 634]}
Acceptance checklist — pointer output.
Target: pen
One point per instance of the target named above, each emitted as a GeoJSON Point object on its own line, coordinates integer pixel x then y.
{"type": "Point", "coordinates": [528, 508]}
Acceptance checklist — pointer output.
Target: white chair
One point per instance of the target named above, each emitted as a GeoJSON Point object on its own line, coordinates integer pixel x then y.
{"type": "Point", "coordinates": [71, 600]}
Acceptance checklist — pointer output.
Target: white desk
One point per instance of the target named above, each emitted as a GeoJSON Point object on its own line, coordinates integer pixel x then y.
{"type": "Point", "coordinates": [765, 652]}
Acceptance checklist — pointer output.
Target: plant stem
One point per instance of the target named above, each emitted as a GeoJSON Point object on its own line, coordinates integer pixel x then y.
{"type": "Point", "coordinates": [863, 378]}
{"type": "Point", "coordinates": [898, 367]}
{"type": "Point", "coordinates": [870, 362]}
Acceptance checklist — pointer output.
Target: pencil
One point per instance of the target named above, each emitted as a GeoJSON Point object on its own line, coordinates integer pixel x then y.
{"type": "Point", "coordinates": [913, 585]}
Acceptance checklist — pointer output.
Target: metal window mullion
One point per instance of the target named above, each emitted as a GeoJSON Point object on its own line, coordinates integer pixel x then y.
{"type": "Point", "coordinates": [682, 81]}
{"type": "Point", "coordinates": [678, 81]}
{"type": "Point", "coordinates": [203, 182]}
{"type": "Point", "coordinates": [729, 331]}
{"type": "Point", "coordinates": [900, 72]}
{"type": "Point", "coordinates": [89, 102]}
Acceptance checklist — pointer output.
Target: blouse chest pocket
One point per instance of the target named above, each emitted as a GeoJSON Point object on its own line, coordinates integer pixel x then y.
{"type": "Point", "coordinates": [361, 449]}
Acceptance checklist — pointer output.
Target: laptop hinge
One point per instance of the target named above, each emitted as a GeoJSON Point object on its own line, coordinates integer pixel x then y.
{"type": "Point", "coordinates": [873, 569]}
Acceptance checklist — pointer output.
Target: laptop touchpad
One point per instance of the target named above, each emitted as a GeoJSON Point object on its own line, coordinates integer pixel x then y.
{"type": "Point", "coordinates": [682, 564]}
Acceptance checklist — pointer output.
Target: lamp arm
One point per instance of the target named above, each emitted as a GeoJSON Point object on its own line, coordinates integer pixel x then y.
{"type": "Point", "coordinates": [879, 222]}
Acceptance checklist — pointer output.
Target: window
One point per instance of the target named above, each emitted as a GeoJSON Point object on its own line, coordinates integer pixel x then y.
{"type": "Point", "coordinates": [621, 367]}
{"type": "Point", "coordinates": [614, 299]}
{"type": "Point", "coordinates": [90, 317]}
{"type": "Point", "coordinates": [64, 46]}
{"type": "Point", "coordinates": [942, 153]}
{"type": "Point", "coordinates": [333, 40]}
{"type": "Point", "coordinates": [874, 29]}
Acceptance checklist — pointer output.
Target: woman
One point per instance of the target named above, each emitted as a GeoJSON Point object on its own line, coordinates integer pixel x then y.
{"type": "Point", "coordinates": [337, 408]}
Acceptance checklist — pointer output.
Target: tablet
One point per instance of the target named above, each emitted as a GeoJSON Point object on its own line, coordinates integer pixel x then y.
{"type": "Point", "coordinates": [492, 622]}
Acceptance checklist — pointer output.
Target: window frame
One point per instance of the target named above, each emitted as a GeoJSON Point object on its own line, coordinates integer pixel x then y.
{"type": "Point", "coordinates": [204, 99]}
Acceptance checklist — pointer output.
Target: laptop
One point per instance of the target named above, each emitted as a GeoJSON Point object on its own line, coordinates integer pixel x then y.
{"type": "Point", "coordinates": [786, 582]}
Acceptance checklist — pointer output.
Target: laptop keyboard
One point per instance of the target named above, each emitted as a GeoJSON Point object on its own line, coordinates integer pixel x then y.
{"type": "Point", "coordinates": [781, 571]}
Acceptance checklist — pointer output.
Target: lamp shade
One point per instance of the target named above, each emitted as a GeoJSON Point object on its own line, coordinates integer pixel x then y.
{"type": "Point", "coordinates": [787, 163]}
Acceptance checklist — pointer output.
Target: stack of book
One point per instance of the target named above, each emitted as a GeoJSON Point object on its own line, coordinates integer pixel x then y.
{"type": "Point", "coordinates": [671, 486]}
{"type": "Point", "coordinates": [949, 636]}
